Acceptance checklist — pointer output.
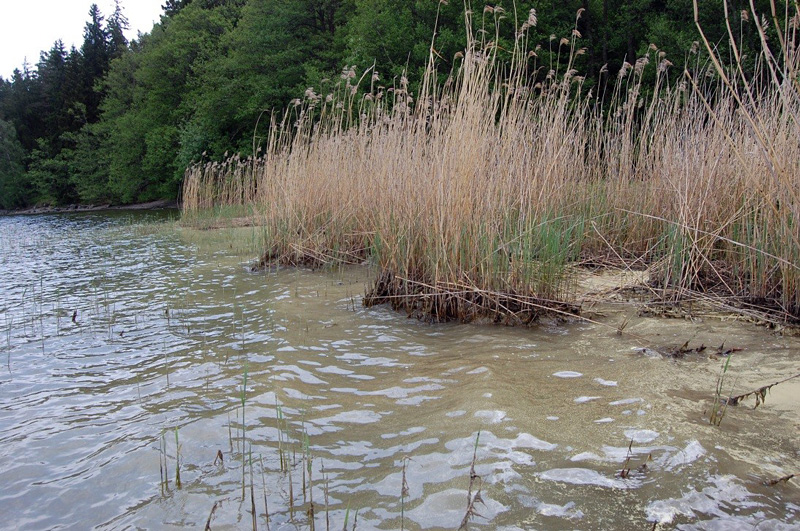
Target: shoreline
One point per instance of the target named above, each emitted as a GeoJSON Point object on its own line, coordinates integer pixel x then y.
{"type": "Point", "coordinates": [614, 283]}
{"type": "Point", "coordinates": [150, 205]}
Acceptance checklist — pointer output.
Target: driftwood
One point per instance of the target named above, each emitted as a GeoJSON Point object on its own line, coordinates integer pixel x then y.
{"type": "Point", "coordinates": [772, 482]}
{"type": "Point", "coordinates": [760, 394]}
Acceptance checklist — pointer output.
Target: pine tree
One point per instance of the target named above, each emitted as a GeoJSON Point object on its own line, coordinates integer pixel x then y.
{"type": "Point", "coordinates": [51, 107]}
{"type": "Point", "coordinates": [95, 52]}
{"type": "Point", "coordinates": [117, 24]}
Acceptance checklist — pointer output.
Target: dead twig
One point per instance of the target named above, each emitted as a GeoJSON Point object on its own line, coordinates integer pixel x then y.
{"type": "Point", "coordinates": [211, 515]}
{"type": "Point", "coordinates": [784, 479]}
{"type": "Point", "coordinates": [760, 393]}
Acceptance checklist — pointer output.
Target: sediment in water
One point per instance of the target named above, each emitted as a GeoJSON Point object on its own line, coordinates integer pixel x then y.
{"type": "Point", "coordinates": [467, 301]}
{"type": "Point", "coordinates": [433, 301]}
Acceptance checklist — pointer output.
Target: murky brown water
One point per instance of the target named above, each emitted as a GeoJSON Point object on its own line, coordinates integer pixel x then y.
{"type": "Point", "coordinates": [168, 320]}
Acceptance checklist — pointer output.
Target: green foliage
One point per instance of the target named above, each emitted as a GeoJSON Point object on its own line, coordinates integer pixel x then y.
{"type": "Point", "coordinates": [147, 106]}
{"type": "Point", "coordinates": [277, 49]}
{"type": "Point", "coordinates": [48, 173]}
{"type": "Point", "coordinates": [13, 189]}
{"type": "Point", "coordinates": [52, 110]}
{"type": "Point", "coordinates": [88, 166]}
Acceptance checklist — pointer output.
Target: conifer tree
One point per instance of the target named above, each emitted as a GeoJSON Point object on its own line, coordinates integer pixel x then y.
{"type": "Point", "coordinates": [95, 52]}
{"type": "Point", "coordinates": [115, 29]}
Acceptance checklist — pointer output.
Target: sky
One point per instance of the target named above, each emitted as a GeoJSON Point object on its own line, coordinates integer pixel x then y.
{"type": "Point", "coordinates": [29, 26]}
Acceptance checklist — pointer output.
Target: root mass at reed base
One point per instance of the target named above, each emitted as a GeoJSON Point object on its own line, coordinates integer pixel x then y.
{"type": "Point", "coordinates": [440, 302]}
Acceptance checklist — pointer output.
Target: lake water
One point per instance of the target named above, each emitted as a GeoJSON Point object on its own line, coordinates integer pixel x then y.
{"type": "Point", "coordinates": [119, 330]}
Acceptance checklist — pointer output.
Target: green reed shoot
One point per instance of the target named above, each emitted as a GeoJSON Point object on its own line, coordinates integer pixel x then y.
{"type": "Point", "coordinates": [309, 465]}
{"type": "Point", "coordinates": [166, 364]}
{"type": "Point", "coordinates": [720, 405]}
{"type": "Point", "coordinates": [306, 459]}
{"type": "Point", "coordinates": [291, 495]}
{"type": "Point", "coordinates": [346, 516]}
{"type": "Point", "coordinates": [264, 486]}
{"type": "Point", "coordinates": [244, 427]}
{"type": "Point", "coordinates": [9, 323]}
{"type": "Point", "coordinates": [327, 506]}
{"type": "Point", "coordinates": [41, 310]}
{"type": "Point", "coordinates": [278, 418]}
{"type": "Point", "coordinates": [162, 463]}
{"type": "Point", "coordinates": [252, 493]}
{"type": "Point", "coordinates": [242, 327]}
{"type": "Point", "coordinates": [177, 461]}
{"type": "Point", "coordinates": [403, 493]}
{"type": "Point", "coordinates": [8, 341]}
{"type": "Point", "coordinates": [230, 432]}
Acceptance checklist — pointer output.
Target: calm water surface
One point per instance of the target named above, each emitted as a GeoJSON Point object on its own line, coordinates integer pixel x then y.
{"type": "Point", "coordinates": [168, 321]}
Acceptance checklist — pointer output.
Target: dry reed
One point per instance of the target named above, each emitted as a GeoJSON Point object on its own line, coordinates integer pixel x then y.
{"type": "Point", "coordinates": [477, 197]}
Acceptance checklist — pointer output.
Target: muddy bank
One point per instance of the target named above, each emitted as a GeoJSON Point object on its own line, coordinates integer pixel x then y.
{"type": "Point", "coordinates": [151, 205]}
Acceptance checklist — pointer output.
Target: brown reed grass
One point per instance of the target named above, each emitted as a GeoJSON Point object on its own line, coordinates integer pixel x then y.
{"type": "Point", "coordinates": [477, 197]}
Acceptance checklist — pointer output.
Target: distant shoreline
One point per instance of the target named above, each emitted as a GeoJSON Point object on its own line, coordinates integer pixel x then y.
{"type": "Point", "coordinates": [151, 205]}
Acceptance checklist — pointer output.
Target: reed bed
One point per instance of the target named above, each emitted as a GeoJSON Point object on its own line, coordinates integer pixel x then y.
{"type": "Point", "coordinates": [479, 197]}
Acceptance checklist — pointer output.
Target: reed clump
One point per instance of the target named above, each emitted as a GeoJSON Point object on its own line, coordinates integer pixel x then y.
{"type": "Point", "coordinates": [478, 197]}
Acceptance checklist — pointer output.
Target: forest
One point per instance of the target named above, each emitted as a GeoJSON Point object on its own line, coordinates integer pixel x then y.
{"type": "Point", "coordinates": [119, 122]}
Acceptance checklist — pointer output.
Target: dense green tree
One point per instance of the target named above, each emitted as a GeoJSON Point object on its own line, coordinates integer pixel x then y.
{"type": "Point", "coordinates": [145, 107]}
{"type": "Point", "coordinates": [14, 191]}
{"type": "Point", "coordinates": [379, 32]}
{"type": "Point", "coordinates": [275, 52]}
{"type": "Point", "coordinates": [48, 174]}
{"type": "Point", "coordinates": [59, 103]}
{"type": "Point", "coordinates": [88, 166]}
{"type": "Point", "coordinates": [396, 36]}
{"type": "Point", "coordinates": [51, 107]}
{"type": "Point", "coordinates": [19, 105]}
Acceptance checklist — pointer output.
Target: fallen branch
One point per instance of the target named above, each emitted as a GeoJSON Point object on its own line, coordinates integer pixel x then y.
{"type": "Point", "coordinates": [772, 482]}
{"type": "Point", "coordinates": [760, 393]}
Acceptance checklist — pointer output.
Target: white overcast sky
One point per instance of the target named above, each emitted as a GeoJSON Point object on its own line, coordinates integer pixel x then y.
{"type": "Point", "coordinates": [29, 26]}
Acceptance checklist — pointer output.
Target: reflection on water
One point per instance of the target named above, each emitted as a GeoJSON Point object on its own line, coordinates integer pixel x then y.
{"type": "Point", "coordinates": [168, 322]}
